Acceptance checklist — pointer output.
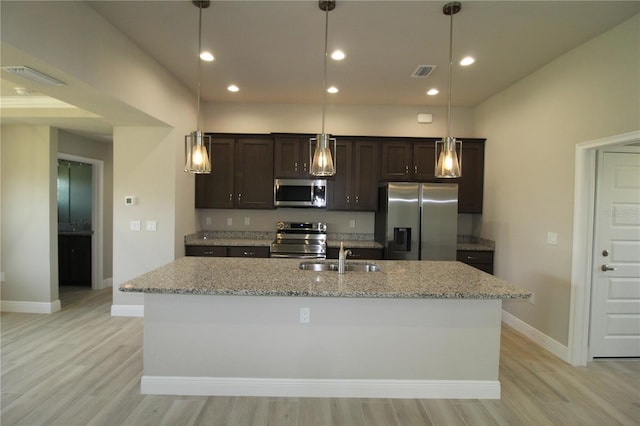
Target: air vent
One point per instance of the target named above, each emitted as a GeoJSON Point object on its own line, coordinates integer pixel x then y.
{"type": "Point", "coordinates": [423, 71]}
{"type": "Point", "coordinates": [33, 75]}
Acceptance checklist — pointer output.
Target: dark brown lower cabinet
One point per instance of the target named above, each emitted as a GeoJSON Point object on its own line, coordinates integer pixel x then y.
{"type": "Point", "coordinates": [356, 253]}
{"type": "Point", "coordinates": [482, 260]}
{"type": "Point", "coordinates": [227, 251]}
{"type": "Point", "coordinates": [74, 260]}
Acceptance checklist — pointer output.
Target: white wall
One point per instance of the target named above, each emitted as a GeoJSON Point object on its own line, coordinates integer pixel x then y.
{"type": "Point", "coordinates": [532, 128]}
{"type": "Point", "coordinates": [29, 213]}
{"type": "Point", "coordinates": [360, 120]}
{"type": "Point", "coordinates": [111, 76]}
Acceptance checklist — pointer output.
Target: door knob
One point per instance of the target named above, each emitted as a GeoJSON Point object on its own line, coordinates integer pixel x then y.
{"type": "Point", "coordinates": [605, 268]}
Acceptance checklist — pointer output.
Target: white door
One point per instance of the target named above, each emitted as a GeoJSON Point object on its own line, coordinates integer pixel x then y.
{"type": "Point", "coordinates": [615, 299]}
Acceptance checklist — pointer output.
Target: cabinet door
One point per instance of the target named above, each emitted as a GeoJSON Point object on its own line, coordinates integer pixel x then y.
{"type": "Point", "coordinates": [248, 251]}
{"type": "Point", "coordinates": [291, 157]}
{"type": "Point", "coordinates": [254, 173]}
{"type": "Point", "coordinates": [340, 187]}
{"type": "Point", "coordinates": [365, 175]}
{"type": "Point", "coordinates": [471, 184]}
{"type": "Point", "coordinates": [395, 161]}
{"type": "Point", "coordinates": [215, 190]}
{"type": "Point", "coordinates": [424, 162]}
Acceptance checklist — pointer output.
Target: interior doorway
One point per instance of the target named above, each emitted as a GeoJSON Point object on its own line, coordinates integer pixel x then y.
{"type": "Point", "coordinates": [582, 265]}
{"type": "Point", "coordinates": [80, 221]}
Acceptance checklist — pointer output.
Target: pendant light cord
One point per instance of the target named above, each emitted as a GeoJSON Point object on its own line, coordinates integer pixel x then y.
{"type": "Point", "coordinates": [324, 70]}
{"type": "Point", "coordinates": [199, 64]}
{"type": "Point", "coordinates": [450, 67]}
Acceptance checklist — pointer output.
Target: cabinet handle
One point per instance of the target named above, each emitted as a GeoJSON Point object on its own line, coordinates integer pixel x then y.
{"type": "Point", "coordinates": [295, 166]}
{"type": "Point", "coordinates": [356, 199]}
{"type": "Point", "coordinates": [406, 169]}
{"type": "Point", "coordinates": [239, 197]}
{"type": "Point", "coordinates": [415, 169]}
{"type": "Point", "coordinates": [207, 252]}
{"type": "Point", "coordinates": [231, 198]}
{"type": "Point", "coordinates": [471, 257]}
{"type": "Point", "coordinates": [348, 200]}
{"type": "Point", "coordinates": [248, 253]}
{"type": "Point", "coordinates": [304, 167]}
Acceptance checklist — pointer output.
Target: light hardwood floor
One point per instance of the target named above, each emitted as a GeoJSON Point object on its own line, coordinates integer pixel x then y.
{"type": "Point", "coordinates": [79, 366]}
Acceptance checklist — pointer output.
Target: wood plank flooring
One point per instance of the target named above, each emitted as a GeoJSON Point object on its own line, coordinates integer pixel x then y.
{"type": "Point", "coordinates": [79, 366]}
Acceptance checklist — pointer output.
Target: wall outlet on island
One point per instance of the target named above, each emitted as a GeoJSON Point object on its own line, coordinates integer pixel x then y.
{"type": "Point", "coordinates": [208, 220]}
{"type": "Point", "coordinates": [247, 221]}
{"type": "Point", "coordinates": [229, 221]}
{"type": "Point", "coordinates": [352, 223]}
{"type": "Point", "coordinates": [305, 315]}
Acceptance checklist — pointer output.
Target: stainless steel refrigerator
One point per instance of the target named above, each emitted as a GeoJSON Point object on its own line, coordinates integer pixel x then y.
{"type": "Point", "coordinates": [417, 221]}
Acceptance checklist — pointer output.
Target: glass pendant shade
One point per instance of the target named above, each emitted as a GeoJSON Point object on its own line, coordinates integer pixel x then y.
{"type": "Point", "coordinates": [448, 165]}
{"type": "Point", "coordinates": [197, 151]}
{"type": "Point", "coordinates": [322, 163]}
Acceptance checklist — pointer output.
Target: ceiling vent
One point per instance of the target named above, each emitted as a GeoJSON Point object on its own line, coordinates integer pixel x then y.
{"type": "Point", "coordinates": [423, 71]}
{"type": "Point", "coordinates": [33, 75]}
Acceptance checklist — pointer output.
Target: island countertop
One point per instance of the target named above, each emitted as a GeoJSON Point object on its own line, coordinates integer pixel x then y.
{"type": "Point", "coordinates": [282, 277]}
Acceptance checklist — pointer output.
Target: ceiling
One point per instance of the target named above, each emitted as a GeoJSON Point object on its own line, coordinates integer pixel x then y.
{"type": "Point", "coordinates": [273, 50]}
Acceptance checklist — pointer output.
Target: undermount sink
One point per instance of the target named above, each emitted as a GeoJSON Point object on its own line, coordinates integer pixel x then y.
{"type": "Point", "coordinates": [333, 266]}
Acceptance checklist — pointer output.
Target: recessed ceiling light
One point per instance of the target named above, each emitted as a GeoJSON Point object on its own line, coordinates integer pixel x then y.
{"type": "Point", "coordinates": [338, 55]}
{"type": "Point", "coordinates": [206, 56]}
{"type": "Point", "coordinates": [233, 88]}
{"type": "Point", "coordinates": [467, 60]}
{"type": "Point", "coordinates": [333, 89]}
{"type": "Point", "coordinates": [432, 92]}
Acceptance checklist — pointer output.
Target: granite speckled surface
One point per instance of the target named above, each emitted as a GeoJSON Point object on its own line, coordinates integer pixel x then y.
{"type": "Point", "coordinates": [282, 277]}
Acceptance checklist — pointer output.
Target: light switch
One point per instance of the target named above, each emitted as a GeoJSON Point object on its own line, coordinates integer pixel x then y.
{"type": "Point", "coordinates": [134, 225]}
{"type": "Point", "coordinates": [552, 238]}
{"type": "Point", "coordinates": [152, 225]}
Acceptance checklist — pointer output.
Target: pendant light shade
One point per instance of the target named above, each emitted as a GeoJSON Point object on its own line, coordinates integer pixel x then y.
{"type": "Point", "coordinates": [323, 162]}
{"type": "Point", "coordinates": [197, 144]}
{"type": "Point", "coordinates": [198, 147]}
{"type": "Point", "coordinates": [448, 163]}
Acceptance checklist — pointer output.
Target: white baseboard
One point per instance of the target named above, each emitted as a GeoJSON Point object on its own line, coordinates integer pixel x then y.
{"type": "Point", "coordinates": [107, 282]}
{"type": "Point", "coordinates": [326, 388]}
{"type": "Point", "coordinates": [127, 310]}
{"type": "Point", "coordinates": [550, 344]}
{"type": "Point", "coordinates": [30, 307]}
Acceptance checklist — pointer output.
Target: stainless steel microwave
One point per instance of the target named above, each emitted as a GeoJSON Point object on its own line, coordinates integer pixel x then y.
{"type": "Point", "coordinates": [300, 193]}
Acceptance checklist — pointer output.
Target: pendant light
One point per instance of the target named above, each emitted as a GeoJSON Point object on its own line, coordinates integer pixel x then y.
{"type": "Point", "coordinates": [447, 163]}
{"type": "Point", "coordinates": [197, 144]}
{"type": "Point", "coordinates": [322, 162]}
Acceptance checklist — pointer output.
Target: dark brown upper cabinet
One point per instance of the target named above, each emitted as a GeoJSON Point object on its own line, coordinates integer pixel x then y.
{"type": "Point", "coordinates": [291, 156]}
{"type": "Point", "coordinates": [355, 185]}
{"type": "Point", "coordinates": [241, 173]}
{"type": "Point", "coordinates": [411, 159]}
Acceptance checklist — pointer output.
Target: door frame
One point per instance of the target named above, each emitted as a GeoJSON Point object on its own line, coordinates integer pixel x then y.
{"type": "Point", "coordinates": [583, 241]}
{"type": "Point", "coordinates": [97, 202]}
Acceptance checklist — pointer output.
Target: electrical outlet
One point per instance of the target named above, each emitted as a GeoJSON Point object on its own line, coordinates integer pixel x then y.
{"type": "Point", "coordinates": [229, 221]}
{"type": "Point", "coordinates": [208, 220]}
{"type": "Point", "coordinates": [247, 221]}
{"type": "Point", "coordinates": [532, 299]}
{"type": "Point", "coordinates": [352, 223]}
{"type": "Point", "coordinates": [305, 315]}
{"type": "Point", "coordinates": [552, 238]}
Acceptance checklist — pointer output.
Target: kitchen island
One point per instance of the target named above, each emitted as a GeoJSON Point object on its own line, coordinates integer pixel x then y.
{"type": "Point", "coordinates": [263, 327]}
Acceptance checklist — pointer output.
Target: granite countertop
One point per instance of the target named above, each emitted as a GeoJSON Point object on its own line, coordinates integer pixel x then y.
{"type": "Point", "coordinates": [264, 239]}
{"type": "Point", "coordinates": [282, 277]}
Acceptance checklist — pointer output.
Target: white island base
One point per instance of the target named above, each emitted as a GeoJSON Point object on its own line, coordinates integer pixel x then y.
{"type": "Point", "coordinates": [351, 347]}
